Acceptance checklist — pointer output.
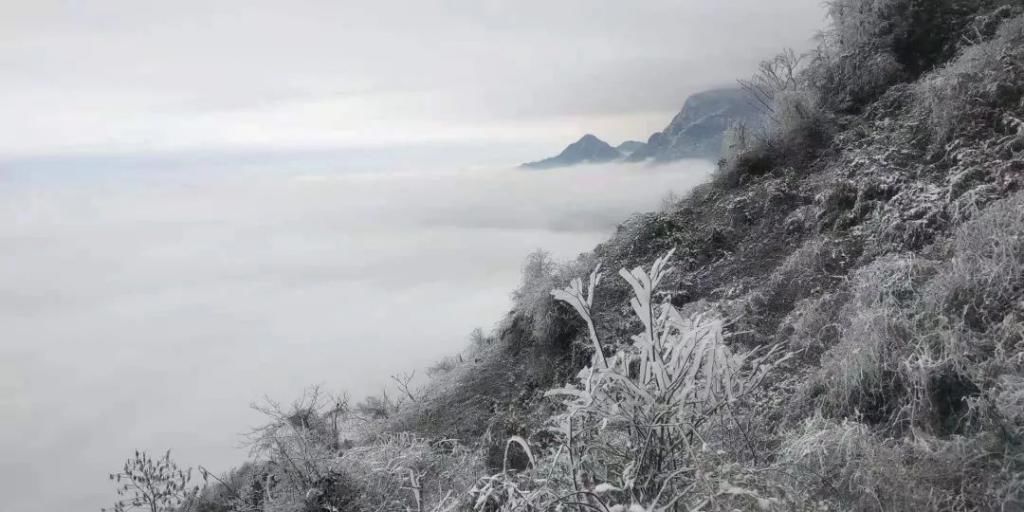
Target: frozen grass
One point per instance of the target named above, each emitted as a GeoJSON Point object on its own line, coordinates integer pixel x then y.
{"type": "Point", "coordinates": [980, 87]}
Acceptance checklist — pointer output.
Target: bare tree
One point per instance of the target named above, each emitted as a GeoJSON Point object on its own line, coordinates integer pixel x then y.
{"type": "Point", "coordinates": [154, 484]}
{"type": "Point", "coordinates": [403, 382]}
{"type": "Point", "coordinates": [774, 76]}
{"type": "Point", "coordinates": [301, 438]}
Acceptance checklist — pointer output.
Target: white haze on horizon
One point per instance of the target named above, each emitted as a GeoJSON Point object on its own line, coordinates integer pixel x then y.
{"type": "Point", "coordinates": [150, 312]}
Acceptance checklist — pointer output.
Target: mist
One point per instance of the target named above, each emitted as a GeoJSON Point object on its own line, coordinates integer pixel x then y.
{"type": "Point", "coordinates": [145, 310]}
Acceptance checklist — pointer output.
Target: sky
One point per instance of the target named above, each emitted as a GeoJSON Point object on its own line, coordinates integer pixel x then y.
{"type": "Point", "coordinates": [130, 76]}
{"type": "Point", "coordinates": [207, 202]}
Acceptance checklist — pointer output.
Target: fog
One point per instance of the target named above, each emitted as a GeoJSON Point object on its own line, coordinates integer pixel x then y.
{"type": "Point", "coordinates": [149, 309]}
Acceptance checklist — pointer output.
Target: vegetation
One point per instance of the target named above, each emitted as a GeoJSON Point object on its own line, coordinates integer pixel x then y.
{"type": "Point", "coordinates": [836, 323]}
{"type": "Point", "coordinates": [153, 484]}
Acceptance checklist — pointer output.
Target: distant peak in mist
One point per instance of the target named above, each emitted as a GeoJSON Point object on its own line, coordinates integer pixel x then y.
{"type": "Point", "coordinates": [695, 132]}
{"type": "Point", "coordinates": [589, 149]}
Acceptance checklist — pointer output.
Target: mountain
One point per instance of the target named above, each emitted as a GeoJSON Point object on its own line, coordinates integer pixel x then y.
{"type": "Point", "coordinates": [698, 129]}
{"type": "Point", "coordinates": [588, 150]}
{"type": "Point", "coordinates": [629, 147]}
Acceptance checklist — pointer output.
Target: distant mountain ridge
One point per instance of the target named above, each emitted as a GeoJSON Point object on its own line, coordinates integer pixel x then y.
{"type": "Point", "coordinates": [630, 146]}
{"type": "Point", "coordinates": [697, 131]}
{"type": "Point", "coordinates": [589, 149]}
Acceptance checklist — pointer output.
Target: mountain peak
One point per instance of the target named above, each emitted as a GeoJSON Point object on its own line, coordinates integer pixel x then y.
{"type": "Point", "coordinates": [588, 149]}
{"type": "Point", "coordinates": [699, 127]}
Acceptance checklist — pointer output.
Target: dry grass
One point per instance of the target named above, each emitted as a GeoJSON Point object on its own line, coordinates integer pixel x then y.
{"type": "Point", "coordinates": [860, 376]}
{"type": "Point", "coordinates": [403, 472]}
{"type": "Point", "coordinates": [979, 88]}
{"type": "Point", "coordinates": [927, 379]}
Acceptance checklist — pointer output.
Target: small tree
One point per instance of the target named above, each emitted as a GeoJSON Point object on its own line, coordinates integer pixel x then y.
{"type": "Point", "coordinates": [154, 484]}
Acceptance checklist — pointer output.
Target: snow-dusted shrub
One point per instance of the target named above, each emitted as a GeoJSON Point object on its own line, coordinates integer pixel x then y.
{"type": "Point", "coordinates": [980, 88]}
{"type": "Point", "coordinates": [403, 472]}
{"type": "Point", "coordinates": [795, 125]}
{"type": "Point", "coordinates": [637, 425]}
{"type": "Point", "coordinates": [872, 44]}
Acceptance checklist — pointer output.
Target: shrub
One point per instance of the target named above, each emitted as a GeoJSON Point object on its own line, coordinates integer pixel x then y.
{"type": "Point", "coordinates": [806, 271]}
{"type": "Point", "coordinates": [638, 426]}
{"type": "Point", "coordinates": [861, 375]}
{"type": "Point", "coordinates": [844, 462]}
{"type": "Point", "coordinates": [795, 126]}
{"type": "Point", "coordinates": [873, 44]}
{"type": "Point", "coordinates": [981, 88]}
{"type": "Point", "coordinates": [403, 472]}
{"type": "Point", "coordinates": [815, 324]}
{"type": "Point", "coordinates": [443, 366]}
{"type": "Point", "coordinates": [532, 299]}
{"type": "Point", "coordinates": [154, 484]}
{"type": "Point", "coordinates": [927, 379]}
{"type": "Point", "coordinates": [972, 323]}
{"type": "Point", "coordinates": [982, 286]}
{"type": "Point", "coordinates": [299, 446]}
{"type": "Point", "coordinates": [855, 468]}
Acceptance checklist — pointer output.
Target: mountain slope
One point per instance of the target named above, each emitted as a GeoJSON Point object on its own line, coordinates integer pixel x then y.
{"type": "Point", "coordinates": [698, 129]}
{"type": "Point", "coordinates": [877, 250]}
{"type": "Point", "coordinates": [629, 147]}
{"type": "Point", "coordinates": [588, 150]}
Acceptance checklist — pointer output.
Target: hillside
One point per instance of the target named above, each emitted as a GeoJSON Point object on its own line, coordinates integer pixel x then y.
{"type": "Point", "coordinates": [835, 322]}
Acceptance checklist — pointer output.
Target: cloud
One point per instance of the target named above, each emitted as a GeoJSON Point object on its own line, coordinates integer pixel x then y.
{"type": "Point", "coordinates": [146, 310]}
{"type": "Point", "coordinates": [121, 76]}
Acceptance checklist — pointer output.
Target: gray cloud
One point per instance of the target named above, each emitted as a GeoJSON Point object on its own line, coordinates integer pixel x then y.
{"type": "Point", "coordinates": [119, 75]}
{"type": "Point", "coordinates": [147, 312]}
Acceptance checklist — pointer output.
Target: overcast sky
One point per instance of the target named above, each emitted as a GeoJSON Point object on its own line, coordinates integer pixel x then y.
{"type": "Point", "coordinates": [131, 76]}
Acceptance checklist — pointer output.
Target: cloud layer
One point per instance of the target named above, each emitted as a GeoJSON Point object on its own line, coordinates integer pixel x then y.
{"type": "Point", "coordinates": [148, 311]}
{"type": "Point", "coordinates": [121, 75]}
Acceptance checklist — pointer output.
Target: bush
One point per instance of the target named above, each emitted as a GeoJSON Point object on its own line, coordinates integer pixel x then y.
{"type": "Point", "coordinates": [297, 450]}
{"type": "Point", "coordinates": [403, 472]}
{"type": "Point", "coordinates": [860, 377]}
{"type": "Point", "coordinates": [980, 89]}
{"type": "Point", "coordinates": [154, 484]}
{"type": "Point", "coordinates": [972, 323]}
{"type": "Point", "coordinates": [851, 467]}
{"type": "Point", "coordinates": [639, 426]}
{"type": "Point", "coordinates": [981, 287]}
{"type": "Point", "coordinates": [795, 125]}
{"type": "Point", "coordinates": [537, 320]}
{"type": "Point", "coordinates": [444, 366]}
{"type": "Point", "coordinates": [845, 463]}
{"type": "Point", "coordinates": [532, 299]}
{"type": "Point", "coordinates": [873, 44]}
{"type": "Point", "coordinates": [815, 324]}
{"type": "Point", "coordinates": [926, 383]}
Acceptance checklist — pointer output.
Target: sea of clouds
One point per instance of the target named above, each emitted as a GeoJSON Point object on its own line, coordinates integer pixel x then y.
{"type": "Point", "coordinates": [147, 311]}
